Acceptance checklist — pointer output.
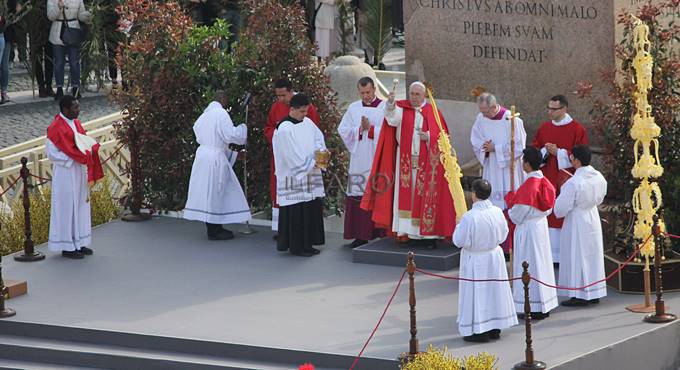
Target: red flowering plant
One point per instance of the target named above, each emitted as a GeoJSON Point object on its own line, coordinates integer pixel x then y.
{"type": "Point", "coordinates": [612, 115]}
{"type": "Point", "coordinates": [274, 45]}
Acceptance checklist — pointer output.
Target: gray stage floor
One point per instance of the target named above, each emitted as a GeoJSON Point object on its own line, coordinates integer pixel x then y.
{"type": "Point", "coordinates": [164, 277]}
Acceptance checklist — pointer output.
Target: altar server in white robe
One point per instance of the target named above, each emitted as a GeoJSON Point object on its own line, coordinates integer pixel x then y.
{"type": "Point", "coordinates": [215, 194]}
{"type": "Point", "coordinates": [360, 130]}
{"type": "Point", "coordinates": [299, 185]}
{"type": "Point", "coordinates": [484, 308]}
{"type": "Point", "coordinates": [529, 208]}
{"type": "Point", "coordinates": [490, 138]}
{"type": "Point", "coordinates": [582, 249]}
{"type": "Point", "coordinates": [75, 163]}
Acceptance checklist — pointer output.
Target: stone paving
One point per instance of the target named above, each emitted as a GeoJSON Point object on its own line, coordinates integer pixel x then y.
{"type": "Point", "coordinates": [22, 122]}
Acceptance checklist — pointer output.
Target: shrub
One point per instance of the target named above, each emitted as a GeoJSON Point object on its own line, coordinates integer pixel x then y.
{"type": "Point", "coordinates": [274, 45]}
{"type": "Point", "coordinates": [440, 359]}
{"type": "Point", "coordinates": [12, 237]}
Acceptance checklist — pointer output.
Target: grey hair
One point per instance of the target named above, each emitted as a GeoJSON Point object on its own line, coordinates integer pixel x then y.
{"type": "Point", "coordinates": [417, 84]}
{"type": "Point", "coordinates": [487, 99]}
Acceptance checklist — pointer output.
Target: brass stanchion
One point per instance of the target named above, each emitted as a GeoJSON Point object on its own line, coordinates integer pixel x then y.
{"type": "Point", "coordinates": [29, 253]}
{"type": "Point", "coordinates": [4, 311]}
{"type": "Point", "coordinates": [411, 269]}
{"type": "Point", "coordinates": [660, 316]}
{"type": "Point", "coordinates": [529, 363]}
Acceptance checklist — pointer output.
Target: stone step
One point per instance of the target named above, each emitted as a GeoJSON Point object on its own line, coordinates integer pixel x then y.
{"type": "Point", "coordinates": [30, 365]}
{"type": "Point", "coordinates": [68, 346]}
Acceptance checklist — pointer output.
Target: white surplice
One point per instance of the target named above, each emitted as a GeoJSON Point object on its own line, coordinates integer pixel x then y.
{"type": "Point", "coordinates": [215, 194]}
{"type": "Point", "coordinates": [483, 306]}
{"type": "Point", "coordinates": [532, 244]}
{"type": "Point", "coordinates": [361, 148]}
{"type": "Point", "coordinates": [496, 167]}
{"type": "Point", "coordinates": [393, 116]}
{"type": "Point", "coordinates": [70, 218]}
{"type": "Point", "coordinates": [582, 249]}
{"type": "Point", "coordinates": [297, 177]}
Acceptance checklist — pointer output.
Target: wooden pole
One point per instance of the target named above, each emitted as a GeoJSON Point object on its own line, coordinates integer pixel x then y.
{"type": "Point", "coordinates": [660, 316]}
{"type": "Point", "coordinates": [513, 115]}
{"type": "Point", "coordinates": [4, 311]}
{"type": "Point", "coordinates": [411, 269]}
{"type": "Point", "coordinates": [29, 253]}
{"type": "Point", "coordinates": [529, 363]}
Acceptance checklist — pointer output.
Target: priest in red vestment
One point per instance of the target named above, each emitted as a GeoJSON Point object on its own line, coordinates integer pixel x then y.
{"type": "Point", "coordinates": [283, 89]}
{"type": "Point", "coordinates": [556, 138]}
{"type": "Point", "coordinates": [407, 191]}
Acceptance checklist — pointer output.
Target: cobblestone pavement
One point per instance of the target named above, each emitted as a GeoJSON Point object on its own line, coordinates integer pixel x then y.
{"type": "Point", "coordinates": [22, 122]}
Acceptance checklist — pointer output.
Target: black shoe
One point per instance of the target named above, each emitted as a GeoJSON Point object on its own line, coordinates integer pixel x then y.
{"type": "Point", "coordinates": [358, 243]}
{"type": "Point", "coordinates": [534, 316]}
{"type": "Point", "coordinates": [477, 338]}
{"type": "Point", "coordinates": [76, 255]}
{"type": "Point", "coordinates": [315, 251]}
{"type": "Point", "coordinates": [86, 251]}
{"type": "Point", "coordinates": [594, 301]}
{"type": "Point", "coordinates": [539, 315]}
{"type": "Point", "coordinates": [42, 93]}
{"type": "Point", "coordinates": [222, 235]}
{"type": "Point", "coordinates": [49, 91]}
{"type": "Point", "coordinates": [574, 302]}
{"type": "Point", "coordinates": [75, 92]}
{"type": "Point", "coordinates": [59, 94]}
{"type": "Point", "coordinates": [494, 334]}
{"type": "Point", "coordinates": [275, 237]}
{"type": "Point", "coordinates": [302, 254]}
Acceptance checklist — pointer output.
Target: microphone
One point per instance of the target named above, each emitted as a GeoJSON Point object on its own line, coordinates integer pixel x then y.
{"type": "Point", "coordinates": [245, 100]}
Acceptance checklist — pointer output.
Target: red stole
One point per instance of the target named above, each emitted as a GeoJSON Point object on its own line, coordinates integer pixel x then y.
{"type": "Point", "coordinates": [565, 137]}
{"type": "Point", "coordinates": [535, 192]}
{"type": "Point", "coordinates": [62, 136]}
{"type": "Point", "coordinates": [432, 205]}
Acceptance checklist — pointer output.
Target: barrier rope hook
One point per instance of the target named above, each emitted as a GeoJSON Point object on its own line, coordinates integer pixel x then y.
{"type": "Point", "coordinates": [29, 254]}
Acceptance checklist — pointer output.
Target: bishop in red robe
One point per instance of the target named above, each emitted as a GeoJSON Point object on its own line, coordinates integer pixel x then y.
{"type": "Point", "coordinates": [406, 190]}
{"type": "Point", "coordinates": [556, 138]}
{"type": "Point", "coordinates": [279, 110]}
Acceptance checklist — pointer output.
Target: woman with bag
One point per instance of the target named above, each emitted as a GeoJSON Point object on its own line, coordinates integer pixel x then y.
{"type": "Point", "coordinates": [66, 36]}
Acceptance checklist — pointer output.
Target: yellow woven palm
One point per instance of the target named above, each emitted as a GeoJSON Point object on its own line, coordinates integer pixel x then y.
{"type": "Point", "coordinates": [449, 159]}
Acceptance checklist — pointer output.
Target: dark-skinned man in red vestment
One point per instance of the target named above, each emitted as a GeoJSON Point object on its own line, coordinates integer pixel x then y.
{"type": "Point", "coordinates": [283, 89]}
{"type": "Point", "coordinates": [556, 138]}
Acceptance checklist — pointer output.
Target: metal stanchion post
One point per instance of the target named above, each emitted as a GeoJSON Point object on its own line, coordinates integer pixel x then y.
{"type": "Point", "coordinates": [29, 254]}
{"type": "Point", "coordinates": [529, 363]}
{"type": "Point", "coordinates": [660, 315]}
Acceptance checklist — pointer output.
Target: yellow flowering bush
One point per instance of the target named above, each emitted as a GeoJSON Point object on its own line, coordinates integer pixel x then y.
{"type": "Point", "coordinates": [12, 234]}
{"type": "Point", "coordinates": [440, 359]}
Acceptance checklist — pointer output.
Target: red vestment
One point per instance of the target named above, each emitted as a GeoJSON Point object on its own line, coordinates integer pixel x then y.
{"type": "Point", "coordinates": [565, 137]}
{"type": "Point", "coordinates": [535, 192]}
{"type": "Point", "coordinates": [62, 136]}
{"type": "Point", "coordinates": [432, 205]}
{"type": "Point", "coordinates": [278, 112]}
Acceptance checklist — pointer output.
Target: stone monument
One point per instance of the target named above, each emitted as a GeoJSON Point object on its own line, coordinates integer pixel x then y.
{"type": "Point", "coordinates": [523, 51]}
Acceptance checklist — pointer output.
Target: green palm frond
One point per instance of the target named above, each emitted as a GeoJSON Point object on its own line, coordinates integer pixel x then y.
{"type": "Point", "coordinates": [378, 28]}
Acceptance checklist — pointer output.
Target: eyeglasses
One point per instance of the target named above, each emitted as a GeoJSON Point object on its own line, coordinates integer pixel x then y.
{"type": "Point", "coordinates": [554, 109]}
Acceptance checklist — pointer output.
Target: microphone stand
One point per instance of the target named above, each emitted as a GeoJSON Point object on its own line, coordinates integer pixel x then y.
{"type": "Point", "coordinates": [249, 230]}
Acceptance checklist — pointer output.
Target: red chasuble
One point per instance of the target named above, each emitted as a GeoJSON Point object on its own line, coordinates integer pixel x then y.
{"type": "Point", "coordinates": [432, 205]}
{"type": "Point", "coordinates": [565, 137]}
{"type": "Point", "coordinates": [62, 136]}
{"type": "Point", "coordinates": [278, 112]}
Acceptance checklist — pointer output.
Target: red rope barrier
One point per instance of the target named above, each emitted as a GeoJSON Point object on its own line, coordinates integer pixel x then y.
{"type": "Point", "coordinates": [611, 275]}
{"type": "Point", "coordinates": [10, 186]}
{"type": "Point", "coordinates": [466, 279]}
{"type": "Point", "coordinates": [41, 178]}
{"type": "Point", "coordinates": [671, 236]}
{"type": "Point", "coordinates": [389, 303]}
